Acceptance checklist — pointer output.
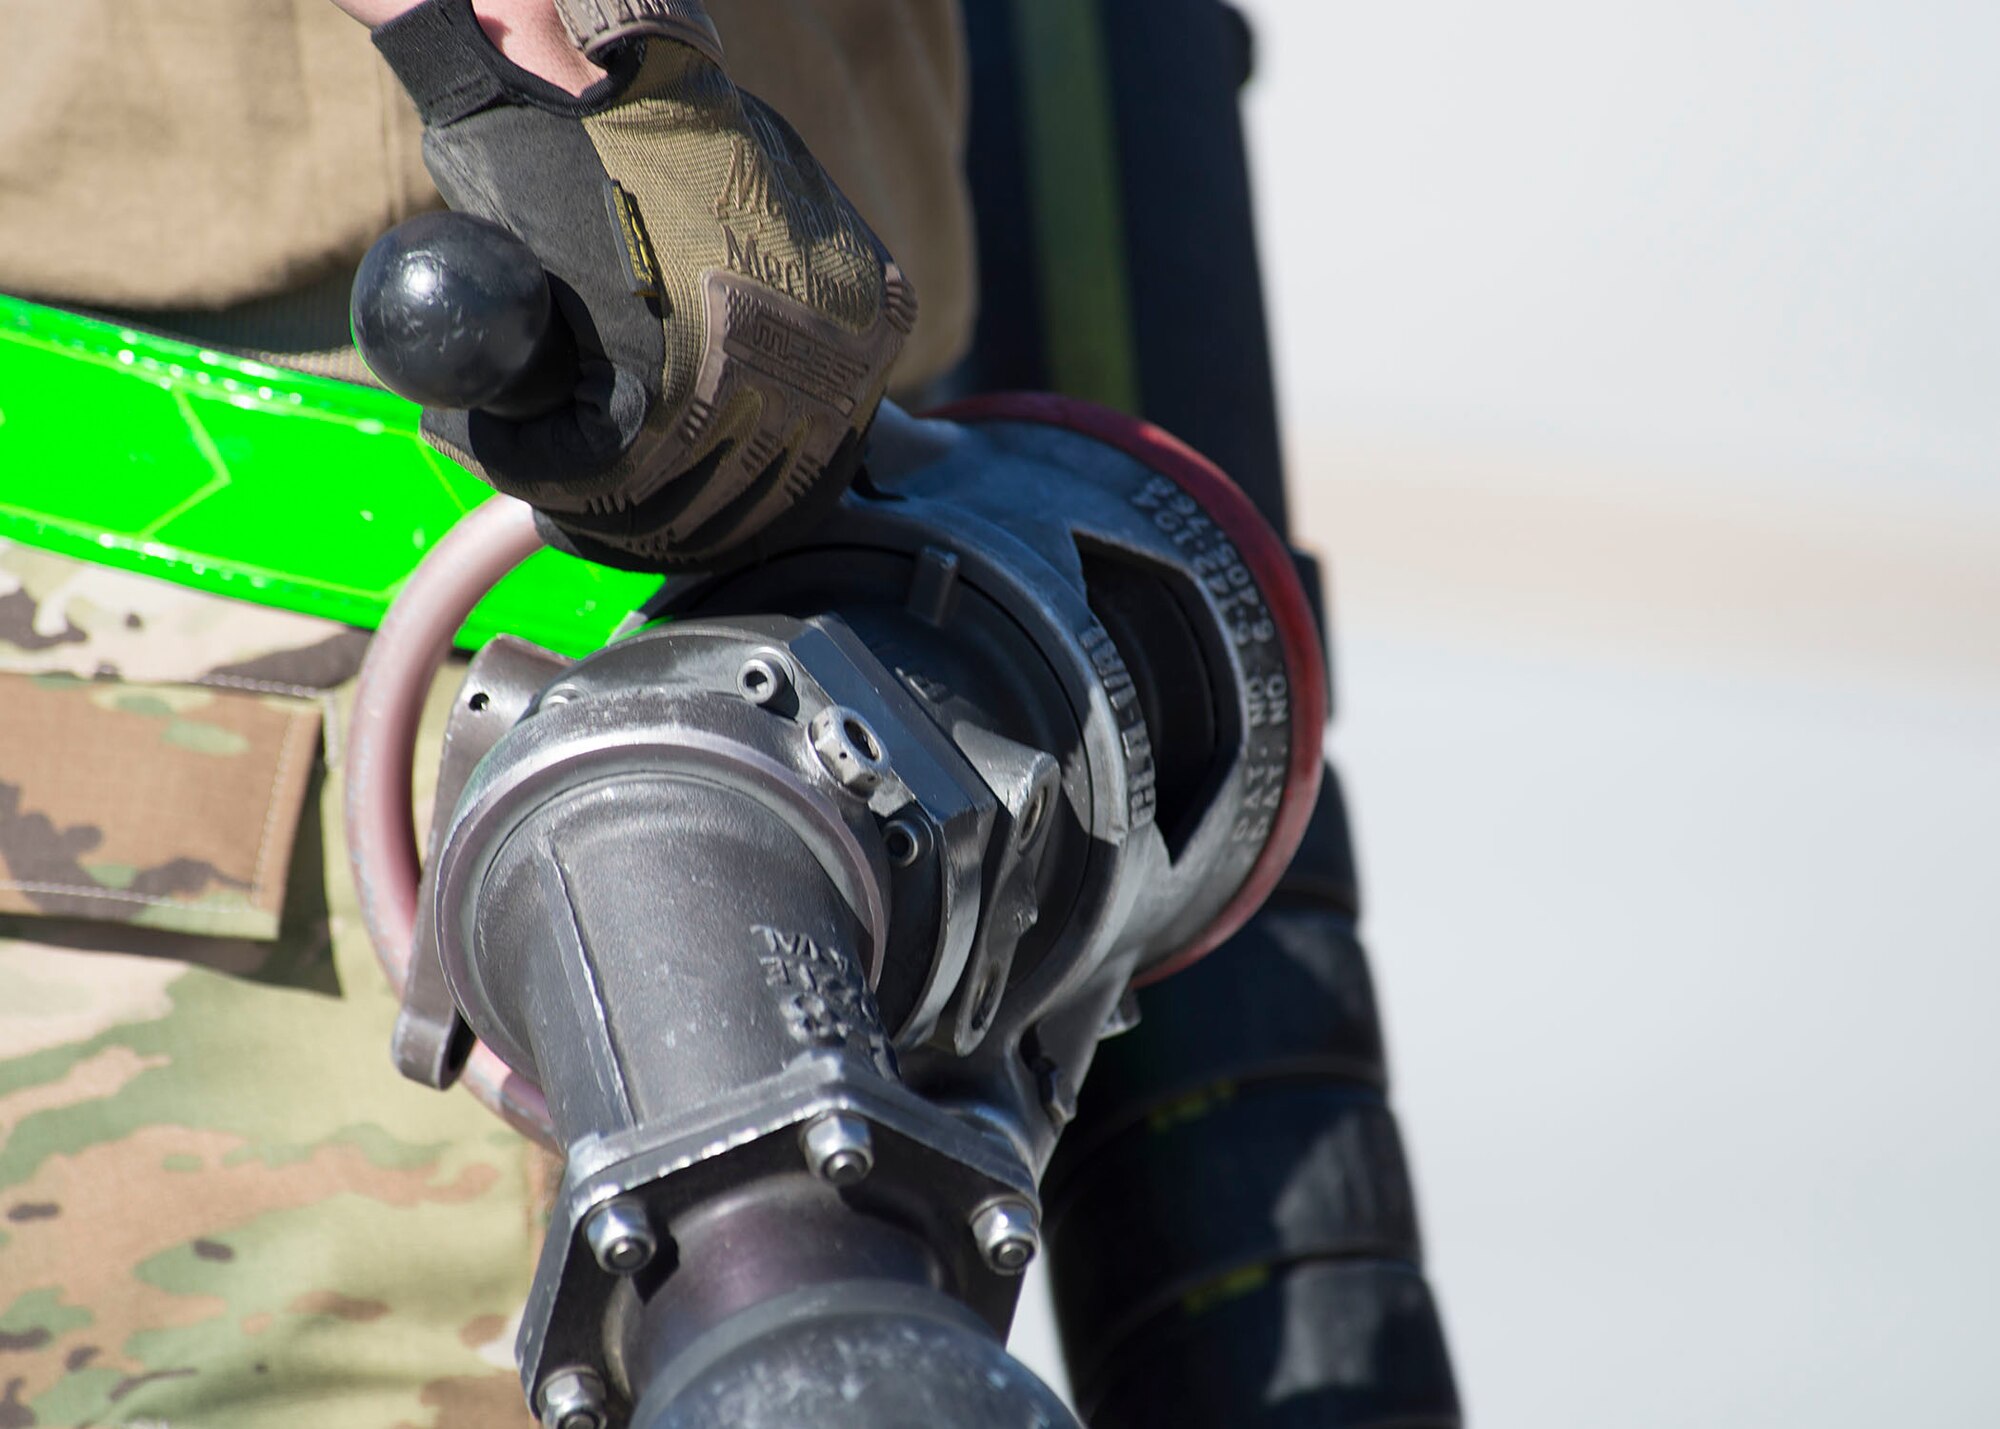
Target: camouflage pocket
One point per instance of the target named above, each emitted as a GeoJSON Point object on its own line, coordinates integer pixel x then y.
{"type": "Point", "coordinates": [166, 806]}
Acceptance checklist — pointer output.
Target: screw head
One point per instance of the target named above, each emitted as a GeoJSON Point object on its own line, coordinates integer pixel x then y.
{"type": "Point", "coordinates": [904, 841]}
{"type": "Point", "coordinates": [572, 1399]}
{"type": "Point", "coordinates": [849, 748]}
{"type": "Point", "coordinates": [762, 679]}
{"type": "Point", "coordinates": [1008, 1235]}
{"type": "Point", "coordinates": [839, 1148]}
{"type": "Point", "coordinates": [620, 1237]}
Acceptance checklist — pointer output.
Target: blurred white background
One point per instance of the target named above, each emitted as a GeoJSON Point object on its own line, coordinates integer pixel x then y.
{"type": "Point", "coordinates": [1641, 367]}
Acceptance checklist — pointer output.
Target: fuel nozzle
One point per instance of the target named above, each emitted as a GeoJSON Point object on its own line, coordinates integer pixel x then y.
{"type": "Point", "coordinates": [455, 311]}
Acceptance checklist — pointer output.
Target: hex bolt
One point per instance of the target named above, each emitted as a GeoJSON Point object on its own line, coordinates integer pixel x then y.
{"type": "Point", "coordinates": [1007, 1234]}
{"type": "Point", "coordinates": [850, 750]}
{"type": "Point", "coordinates": [839, 1148]}
{"type": "Point", "coordinates": [762, 679]}
{"type": "Point", "coordinates": [573, 1399]}
{"type": "Point", "coordinates": [620, 1237]}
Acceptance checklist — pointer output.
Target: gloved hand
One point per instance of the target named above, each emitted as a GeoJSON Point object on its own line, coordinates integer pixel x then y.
{"type": "Point", "coordinates": [735, 319]}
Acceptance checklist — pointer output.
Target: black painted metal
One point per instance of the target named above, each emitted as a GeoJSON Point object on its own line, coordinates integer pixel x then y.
{"type": "Point", "coordinates": [1009, 349]}
{"type": "Point", "coordinates": [1194, 283]}
{"type": "Point", "coordinates": [1232, 1229]}
{"type": "Point", "coordinates": [1290, 1294]}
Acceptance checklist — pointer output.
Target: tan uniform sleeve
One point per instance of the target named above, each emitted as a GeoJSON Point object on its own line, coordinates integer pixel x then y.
{"type": "Point", "coordinates": [175, 154]}
{"type": "Point", "coordinates": [195, 153]}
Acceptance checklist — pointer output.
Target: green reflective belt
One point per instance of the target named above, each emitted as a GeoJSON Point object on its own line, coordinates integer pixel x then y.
{"type": "Point", "coordinates": [215, 471]}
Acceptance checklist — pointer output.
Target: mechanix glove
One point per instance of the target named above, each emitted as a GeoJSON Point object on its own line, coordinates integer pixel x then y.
{"type": "Point", "coordinates": [735, 320]}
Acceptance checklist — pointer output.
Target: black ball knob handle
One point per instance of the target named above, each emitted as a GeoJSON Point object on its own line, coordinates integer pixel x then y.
{"type": "Point", "coordinates": [450, 310]}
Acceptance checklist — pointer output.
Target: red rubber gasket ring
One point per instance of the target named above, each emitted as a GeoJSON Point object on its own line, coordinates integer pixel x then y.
{"type": "Point", "coordinates": [1269, 562]}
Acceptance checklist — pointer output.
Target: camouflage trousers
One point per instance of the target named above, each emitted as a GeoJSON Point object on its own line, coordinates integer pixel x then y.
{"type": "Point", "coordinates": [219, 1205]}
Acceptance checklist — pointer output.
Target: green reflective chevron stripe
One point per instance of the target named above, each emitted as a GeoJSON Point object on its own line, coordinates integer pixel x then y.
{"type": "Point", "coordinates": [157, 456]}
